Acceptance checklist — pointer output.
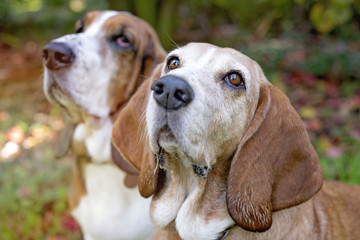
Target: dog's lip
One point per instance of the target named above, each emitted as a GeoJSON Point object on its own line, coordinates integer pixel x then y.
{"type": "Point", "coordinates": [165, 134]}
{"type": "Point", "coordinates": [77, 113]}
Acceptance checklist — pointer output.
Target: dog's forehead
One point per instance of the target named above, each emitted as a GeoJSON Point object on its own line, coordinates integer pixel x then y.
{"type": "Point", "coordinates": [96, 25]}
{"type": "Point", "coordinates": [205, 55]}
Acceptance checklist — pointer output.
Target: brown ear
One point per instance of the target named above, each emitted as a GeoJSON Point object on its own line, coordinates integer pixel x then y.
{"type": "Point", "coordinates": [121, 162]}
{"type": "Point", "coordinates": [129, 138]}
{"type": "Point", "coordinates": [275, 166]}
{"type": "Point", "coordinates": [149, 54]}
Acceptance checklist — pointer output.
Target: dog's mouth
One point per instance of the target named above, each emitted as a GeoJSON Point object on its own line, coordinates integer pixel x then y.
{"type": "Point", "coordinates": [166, 140]}
{"type": "Point", "coordinates": [166, 135]}
{"type": "Point", "coordinates": [59, 97]}
{"type": "Point", "coordinates": [168, 146]}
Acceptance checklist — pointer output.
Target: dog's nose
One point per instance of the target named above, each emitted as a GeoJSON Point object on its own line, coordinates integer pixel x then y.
{"type": "Point", "coordinates": [57, 55]}
{"type": "Point", "coordinates": [172, 92]}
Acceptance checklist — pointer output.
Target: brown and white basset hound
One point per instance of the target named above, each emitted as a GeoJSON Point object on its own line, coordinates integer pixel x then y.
{"type": "Point", "coordinates": [226, 156]}
{"type": "Point", "coordinates": [91, 75]}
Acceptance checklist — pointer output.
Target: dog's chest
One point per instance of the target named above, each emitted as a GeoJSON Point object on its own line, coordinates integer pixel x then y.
{"type": "Point", "coordinates": [184, 202]}
{"type": "Point", "coordinates": [97, 141]}
{"type": "Point", "coordinates": [110, 210]}
{"type": "Point", "coordinates": [194, 220]}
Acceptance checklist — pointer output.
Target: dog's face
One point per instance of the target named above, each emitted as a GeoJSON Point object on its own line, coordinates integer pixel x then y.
{"type": "Point", "coordinates": [94, 72]}
{"type": "Point", "coordinates": [225, 87]}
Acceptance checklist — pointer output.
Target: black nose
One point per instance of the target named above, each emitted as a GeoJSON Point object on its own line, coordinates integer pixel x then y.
{"type": "Point", "coordinates": [57, 55]}
{"type": "Point", "coordinates": [172, 93]}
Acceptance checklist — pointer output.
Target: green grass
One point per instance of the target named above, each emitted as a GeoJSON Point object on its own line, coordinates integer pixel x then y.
{"type": "Point", "coordinates": [345, 168]}
{"type": "Point", "coordinates": [33, 196]}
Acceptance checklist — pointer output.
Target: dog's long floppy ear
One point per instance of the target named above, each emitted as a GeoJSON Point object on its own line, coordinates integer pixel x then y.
{"type": "Point", "coordinates": [154, 53]}
{"type": "Point", "coordinates": [129, 137]}
{"type": "Point", "coordinates": [275, 166]}
{"type": "Point", "coordinates": [149, 54]}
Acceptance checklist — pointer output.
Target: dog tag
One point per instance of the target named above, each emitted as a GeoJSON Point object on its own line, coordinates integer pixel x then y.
{"type": "Point", "coordinates": [201, 171]}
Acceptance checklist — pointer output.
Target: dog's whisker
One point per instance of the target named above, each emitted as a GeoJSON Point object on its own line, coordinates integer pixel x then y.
{"type": "Point", "coordinates": [172, 40]}
{"type": "Point", "coordinates": [142, 130]}
{"type": "Point", "coordinates": [144, 76]}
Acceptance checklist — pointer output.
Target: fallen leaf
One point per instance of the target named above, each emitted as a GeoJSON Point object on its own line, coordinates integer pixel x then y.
{"type": "Point", "coordinates": [3, 116]}
{"type": "Point", "coordinates": [334, 152]}
{"type": "Point", "coordinates": [324, 144]}
{"type": "Point", "coordinates": [15, 134]}
{"type": "Point", "coordinates": [41, 133]}
{"type": "Point", "coordinates": [355, 134]}
{"type": "Point", "coordinates": [23, 192]}
{"type": "Point", "coordinates": [29, 143]}
{"type": "Point", "coordinates": [308, 112]}
{"type": "Point", "coordinates": [314, 125]}
{"type": "Point", "coordinates": [10, 150]}
{"type": "Point", "coordinates": [70, 223]}
{"type": "Point", "coordinates": [41, 117]}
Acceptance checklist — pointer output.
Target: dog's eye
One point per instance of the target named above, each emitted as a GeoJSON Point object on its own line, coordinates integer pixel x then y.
{"type": "Point", "coordinates": [235, 80]}
{"type": "Point", "coordinates": [122, 40]}
{"type": "Point", "coordinates": [173, 63]}
{"type": "Point", "coordinates": [79, 29]}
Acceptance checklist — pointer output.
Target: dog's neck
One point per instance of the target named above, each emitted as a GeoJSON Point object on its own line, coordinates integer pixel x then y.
{"type": "Point", "coordinates": [195, 201]}
{"type": "Point", "coordinates": [94, 142]}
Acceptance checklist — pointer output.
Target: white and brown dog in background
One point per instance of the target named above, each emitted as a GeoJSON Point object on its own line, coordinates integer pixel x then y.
{"type": "Point", "coordinates": [91, 75]}
{"type": "Point", "coordinates": [232, 157]}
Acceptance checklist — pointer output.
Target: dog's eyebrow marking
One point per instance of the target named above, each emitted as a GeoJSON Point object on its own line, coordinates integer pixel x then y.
{"type": "Point", "coordinates": [200, 171]}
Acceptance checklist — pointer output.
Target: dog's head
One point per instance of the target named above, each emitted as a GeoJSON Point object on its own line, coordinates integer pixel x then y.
{"type": "Point", "coordinates": [93, 73]}
{"type": "Point", "coordinates": [207, 103]}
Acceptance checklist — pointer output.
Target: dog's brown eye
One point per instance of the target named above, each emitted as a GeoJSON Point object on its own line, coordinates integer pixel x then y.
{"type": "Point", "coordinates": [79, 29]}
{"type": "Point", "coordinates": [123, 41]}
{"type": "Point", "coordinates": [174, 63]}
{"type": "Point", "coordinates": [235, 79]}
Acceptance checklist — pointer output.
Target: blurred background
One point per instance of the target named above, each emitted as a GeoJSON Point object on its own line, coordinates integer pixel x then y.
{"type": "Point", "coordinates": [310, 49]}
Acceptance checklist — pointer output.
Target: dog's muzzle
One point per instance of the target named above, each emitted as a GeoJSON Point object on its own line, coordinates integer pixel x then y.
{"type": "Point", "coordinates": [172, 92]}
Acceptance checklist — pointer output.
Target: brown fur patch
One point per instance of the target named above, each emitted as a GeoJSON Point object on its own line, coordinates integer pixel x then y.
{"type": "Point", "coordinates": [77, 187]}
{"type": "Point", "coordinates": [87, 19]}
{"type": "Point", "coordinates": [168, 233]}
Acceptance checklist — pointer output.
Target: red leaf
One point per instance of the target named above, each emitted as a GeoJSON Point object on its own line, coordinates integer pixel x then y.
{"type": "Point", "coordinates": [70, 223]}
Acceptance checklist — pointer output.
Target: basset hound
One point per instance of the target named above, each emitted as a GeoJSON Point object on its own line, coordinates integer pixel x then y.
{"type": "Point", "coordinates": [91, 75]}
{"type": "Point", "coordinates": [226, 156]}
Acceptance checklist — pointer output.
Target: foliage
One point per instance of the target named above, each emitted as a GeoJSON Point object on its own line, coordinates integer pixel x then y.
{"type": "Point", "coordinates": [35, 203]}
